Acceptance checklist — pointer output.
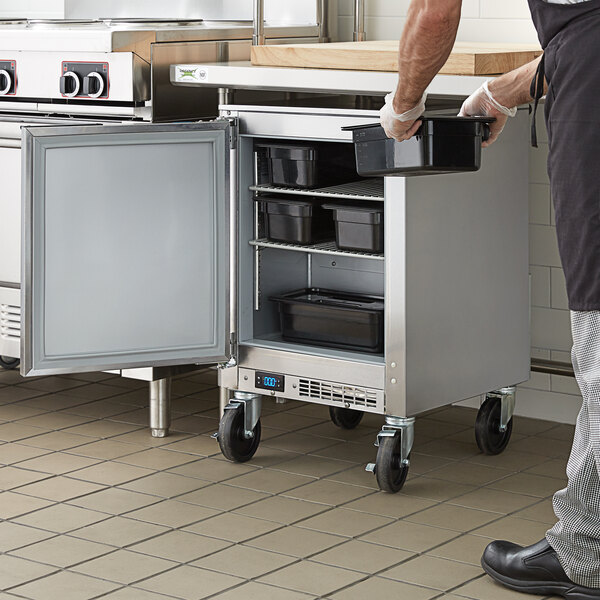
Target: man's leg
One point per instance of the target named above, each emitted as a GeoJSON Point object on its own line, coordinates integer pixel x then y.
{"type": "Point", "coordinates": [576, 536]}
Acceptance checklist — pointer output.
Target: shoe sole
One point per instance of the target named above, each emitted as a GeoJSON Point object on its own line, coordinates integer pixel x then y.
{"type": "Point", "coordinates": [543, 588]}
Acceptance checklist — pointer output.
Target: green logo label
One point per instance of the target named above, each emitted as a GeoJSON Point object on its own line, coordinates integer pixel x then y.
{"type": "Point", "coordinates": [191, 73]}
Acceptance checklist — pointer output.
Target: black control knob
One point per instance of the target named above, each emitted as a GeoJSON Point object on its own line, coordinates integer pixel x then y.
{"type": "Point", "coordinates": [70, 84]}
{"type": "Point", "coordinates": [93, 85]}
{"type": "Point", "coordinates": [5, 82]}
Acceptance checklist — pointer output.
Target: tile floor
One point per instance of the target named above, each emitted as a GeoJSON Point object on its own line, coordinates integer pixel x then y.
{"type": "Point", "coordinates": [92, 507]}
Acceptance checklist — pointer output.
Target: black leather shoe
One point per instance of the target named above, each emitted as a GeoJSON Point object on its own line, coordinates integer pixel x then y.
{"type": "Point", "coordinates": [532, 570]}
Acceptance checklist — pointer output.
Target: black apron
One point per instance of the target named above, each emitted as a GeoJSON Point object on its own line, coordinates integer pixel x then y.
{"type": "Point", "coordinates": [570, 37]}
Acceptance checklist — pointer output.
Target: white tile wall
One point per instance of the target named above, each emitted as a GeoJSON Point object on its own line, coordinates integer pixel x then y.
{"type": "Point", "coordinates": [551, 397]}
{"type": "Point", "coordinates": [32, 9]}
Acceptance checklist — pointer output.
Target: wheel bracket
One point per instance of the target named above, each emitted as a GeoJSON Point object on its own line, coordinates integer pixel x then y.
{"type": "Point", "coordinates": [507, 404]}
{"type": "Point", "coordinates": [394, 426]}
{"type": "Point", "coordinates": [251, 405]}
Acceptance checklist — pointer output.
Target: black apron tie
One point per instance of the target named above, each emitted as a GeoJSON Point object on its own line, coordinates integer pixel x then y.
{"type": "Point", "coordinates": [536, 91]}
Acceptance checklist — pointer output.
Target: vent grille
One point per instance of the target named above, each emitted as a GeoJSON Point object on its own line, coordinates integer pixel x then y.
{"type": "Point", "coordinates": [332, 393]}
{"type": "Point", "coordinates": [10, 322]}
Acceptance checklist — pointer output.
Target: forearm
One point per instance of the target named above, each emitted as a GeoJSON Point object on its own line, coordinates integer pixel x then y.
{"type": "Point", "coordinates": [513, 88]}
{"type": "Point", "coordinates": [426, 43]}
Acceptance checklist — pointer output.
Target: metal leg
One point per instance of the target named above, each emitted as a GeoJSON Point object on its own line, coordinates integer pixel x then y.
{"type": "Point", "coordinates": [224, 396]}
{"type": "Point", "coordinates": [160, 407]}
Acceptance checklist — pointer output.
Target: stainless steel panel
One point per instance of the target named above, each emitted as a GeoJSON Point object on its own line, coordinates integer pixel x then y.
{"type": "Point", "coordinates": [10, 211]}
{"type": "Point", "coordinates": [132, 269]}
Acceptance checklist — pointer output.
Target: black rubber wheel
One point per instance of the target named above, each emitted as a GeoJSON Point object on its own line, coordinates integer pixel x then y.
{"type": "Point", "coordinates": [390, 472]}
{"type": "Point", "coordinates": [234, 445]}
{"type": "Point", "coordinates": [9, 363]}
{"type": "Point", "coordinates": [487, 428]}
{"type": "Point", "coordinates": [345, 418]}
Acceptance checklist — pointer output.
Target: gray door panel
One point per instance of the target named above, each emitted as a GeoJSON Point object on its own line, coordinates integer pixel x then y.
{"type": "Point", "coordinates": [126, 240]}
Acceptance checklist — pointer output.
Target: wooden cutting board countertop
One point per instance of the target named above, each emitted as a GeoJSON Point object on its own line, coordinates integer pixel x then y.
{"type": "Point", "coordinates": [467, 58]}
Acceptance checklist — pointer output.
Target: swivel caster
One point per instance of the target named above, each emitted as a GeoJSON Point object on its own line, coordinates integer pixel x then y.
{"type": "Point", "coordinates": [394, 444]}
{"type": "Point", "coordinates": [239, 428]}
{"type": "Point", "coordinates": [345, 418]}
{"type": "Point", "coordinates": [494, 423]}
{"type": "Point", "coordinates": [6, 362]}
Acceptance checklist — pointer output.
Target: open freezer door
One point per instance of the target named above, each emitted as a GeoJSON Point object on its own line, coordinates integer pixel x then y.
{"type": "Point", "coordinates": [126, 246]}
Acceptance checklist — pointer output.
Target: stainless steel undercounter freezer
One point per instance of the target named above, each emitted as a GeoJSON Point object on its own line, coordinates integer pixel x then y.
{"type": "Point", "coordinates": [161, 258]}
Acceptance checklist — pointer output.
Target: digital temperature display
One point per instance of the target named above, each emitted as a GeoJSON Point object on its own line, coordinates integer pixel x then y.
{"type": "Point", "coordinates": [270, 381]}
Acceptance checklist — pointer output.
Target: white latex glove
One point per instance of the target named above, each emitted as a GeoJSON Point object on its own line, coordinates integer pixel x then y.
{"type": "Point", "coordinates": [482, 104]}
{"type": "Point", "coordinates": [404, 125]}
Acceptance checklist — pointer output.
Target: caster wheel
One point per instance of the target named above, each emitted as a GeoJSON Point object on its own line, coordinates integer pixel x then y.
{"type": "Point", "coordinates": [487, 428]}
{"type": "Point", "coordinates": [390, 472]}
{"type": "Point", "coordinates": [9, 363]}
{"type": "Point", "coordinates": [345, 418]}
{"type": "Point", "coordinates": [234, 445]}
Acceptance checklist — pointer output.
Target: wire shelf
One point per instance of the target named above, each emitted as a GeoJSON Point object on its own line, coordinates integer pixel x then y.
{"type": "Point", "coordinates": [365, 189]}
{"type": "Point", "coordinates": [321, 248]}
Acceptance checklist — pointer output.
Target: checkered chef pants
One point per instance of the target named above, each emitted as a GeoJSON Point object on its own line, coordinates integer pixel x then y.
{"type": "Point", "coordinates": [576, 536]}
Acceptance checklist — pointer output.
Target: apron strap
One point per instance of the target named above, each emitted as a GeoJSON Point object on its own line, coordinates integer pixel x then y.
{"type": "Point", "coordinates": [536, 91]}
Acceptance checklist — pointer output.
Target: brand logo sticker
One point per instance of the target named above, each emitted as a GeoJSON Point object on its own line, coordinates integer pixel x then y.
{"type": "Point", "coordinates": [190, 74]}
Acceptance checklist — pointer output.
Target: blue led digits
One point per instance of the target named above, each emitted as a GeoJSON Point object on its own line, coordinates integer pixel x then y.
{"type": "Point", "coordinates": [269, 381]}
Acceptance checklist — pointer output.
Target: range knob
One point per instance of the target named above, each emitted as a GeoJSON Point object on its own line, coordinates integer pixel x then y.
{"type": "Point", "coordinates": [93, 85]}
{"type": "Point", "coordinates": [6, 82]}
{"type": "Point", "coordinates": [70, 84]}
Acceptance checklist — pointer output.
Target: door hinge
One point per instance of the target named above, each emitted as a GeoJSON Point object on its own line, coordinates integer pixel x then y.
{"type": "Point", "coordinates": [233, 132]}
{"type": "Point", "coordinates": [233, 345]}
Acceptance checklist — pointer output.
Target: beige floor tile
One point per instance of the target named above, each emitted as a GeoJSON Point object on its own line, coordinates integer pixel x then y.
{"type": "Point", "coordinates": [15, 412]}
{"type": "Point", "coordinates": [296, 442]}
{"type": "Point", "coordinates": [13, 504]}
{"type": "Point", "coordinates": [233, 527]}
{"type": "Point", "coordinates": [54, 420]}
{"type": "Point", "coordinates": [312, 466]}
{"type": "Point", "coordinates": [467, 549]}
{"type": "Point", "coordinates": [290, 422]}
{"type": "Point", "coordinates": [200, 445]}
{"type": "Point", "coordinates": [410, 536]}
{"type": "Point", "coordinates": [12, 432]}
{"type": "Point", "coordinates": [471, 475]}
{"type": "Point", "coordinates": [13, 535]}
{"type": "Point", "coordinates": [172, 513]}
{"type": "Point", "coordinates": [544, 446]}
{"type": "Point", "coordinates": [271, 457]}
{"type": "Point", "coordinates": [222, 497]}
{"type": "Point", "coordinates": [15, 453]}
{"type": "Point", "coordinates": [119, 531]}
{"type": "Point", "coordinates": [60, 488]}
{"type": "Point", "coordinates": [362, 556]}
{"type": "Point", "coordinates": [295, 541]}
{"type": "Point", "coordinates": [195, 424]}
{"type": "Point", "coordinates": [213, 469]}
{"type": "Point", "coordinates": [510, 459]}
{"type": "Point", "coordinates": [452, 517]}
{"type": "Point", "coordinates": [437, 573]}
{"type": "Point", "coordinates": [111, 473]}
{"type": "Point", "coordinates": [243, 561]}
{"type": "Point", "coordinates": [14, 477]}
{"type": "Point", "coordinates": [100, 409]}
{"type": "Point", "coordinates": [486, 589]}
{"type": "Point", "coordinates": [105, 449]}
{"type": "Point", "coordinates": [63, 551]}
{"type": "Point", "coordinates": [377, 587]}
{"type": "Point", "coordinates": [165, 485]}
{"type": "Point", "coordinates": [328, 492]}
{"type": "Point", "coordinates": [274, 482]}
{"type": "Point", "coordinates": [459, 415]}
{"type": "Point", "coordinates": [103, 429]}
{"type": "Point", "coordinates": [129, 593]}
{"type": "Point", "coordinates": [390, 505]}
{"type": "Point", "coordinates": [551, 468]}
{"type": "Point", "coordinates": [355, 452]}
{"type": "Point", "coordinates": [494, 500]}
{"type": "Point", "coordinates": [96, 391]}
{"type": "Point", "coordinates": [260, 591]}
{"type": "Point", "coordinates": [115, 501]}
{"type": "Point", "coordinates": [340, 521]}
{"type": "Point", "coordinates": [520, 531]}
{"type": "Point", "coordinates": [53, 384]}
{"type": "Point", "coordinates": [434, 489]}
{"type": "Point", "coordinates": [529, 484]}
{"type": "Point", "coordinates": [57, 440]}
{"type": "Point", "coordinates": [313, 578]}
{"type": "Point", "coordinates": [328, 430]}
{"type": "Point", "coordinates": [124, 566]}
{"type": "Point", "coordinates": [17, 571]}
{"type": "Point", "coordinates": [142, 437]}
{"type": "Point", "coordinates": [189, 583]}
{"type": "Point", "coordinates": [16, 394]}
{"type": "Point", "coordinates": [282, 510]}
{"type": "Point", "coordinates": [61, 518]}
{"type": "Point", "coordinates": [180, 546]}
{"type": "Point", "coordinates": [542, 512]}
{"type": "Point", "coordinates": [559, 432]}
{"type": "Point", "coordinates": [356, 476]}
{"type": "Point", "coordinates": [528, 426]}
{"type": "Point", "coordinates": [156, 458]}
{"type": "Point", "coordinates": [57, 463]}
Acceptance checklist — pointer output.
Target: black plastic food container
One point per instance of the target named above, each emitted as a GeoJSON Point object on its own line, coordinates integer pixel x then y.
{"type": "Point", "coordinates": [335, 319]}
{"type": "Point", "coordinates": [296, 221]}
{"type": "Point", "coordinates": [292, 166]}
{"type": "Point", "coordinates": [443, 144]}
{"type": "Point", "coordinates": [358, 227]}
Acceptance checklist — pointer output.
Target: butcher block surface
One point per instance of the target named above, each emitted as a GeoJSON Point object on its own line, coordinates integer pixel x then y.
{"type": "Point", "coordinates": [467, 58]}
